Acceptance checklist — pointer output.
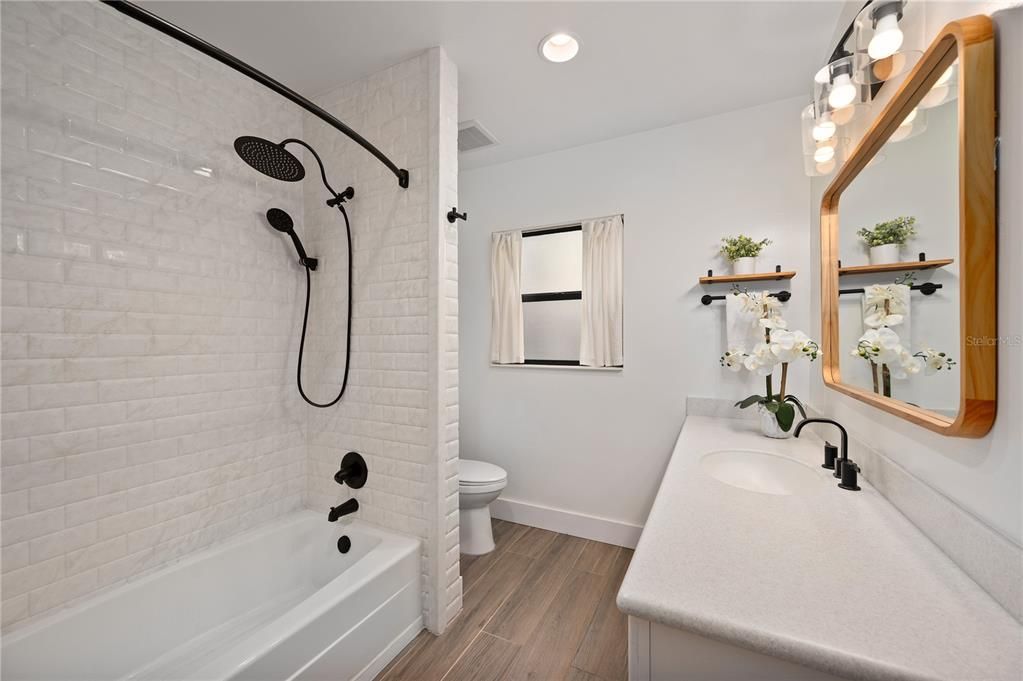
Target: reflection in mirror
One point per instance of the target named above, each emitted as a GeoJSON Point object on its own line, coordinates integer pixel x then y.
{"type": "Point", "coordinates": [899, 326]}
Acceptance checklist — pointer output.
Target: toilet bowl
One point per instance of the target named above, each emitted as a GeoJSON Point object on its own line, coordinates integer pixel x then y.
{"type": "Point", "coordinates": [479, 483]}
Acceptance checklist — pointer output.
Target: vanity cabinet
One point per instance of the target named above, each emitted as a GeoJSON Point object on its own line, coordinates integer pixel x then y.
{"type": "Point", "coordinates": [661, 653]}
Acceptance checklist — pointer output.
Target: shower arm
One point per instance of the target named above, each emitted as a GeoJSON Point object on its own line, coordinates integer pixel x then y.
{"type": "Point", "coordinates": [167, 28]}
{"type": "Point", "coordinates": [338, 199]}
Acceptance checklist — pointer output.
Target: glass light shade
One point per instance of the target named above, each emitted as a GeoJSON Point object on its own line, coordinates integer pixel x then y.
{"type": "Point", "coordinates": [888, 40]}
{"type": "Point", "coordinates": [827, 162]}
{"type": "Point", "coordinates": [835, 90]}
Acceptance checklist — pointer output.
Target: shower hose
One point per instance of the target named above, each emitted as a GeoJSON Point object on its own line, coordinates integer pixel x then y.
{"type": "Point", "coordinates": [348, 326]}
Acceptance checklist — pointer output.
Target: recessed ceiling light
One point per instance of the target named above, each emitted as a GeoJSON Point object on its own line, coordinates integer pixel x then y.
{"type": "Point", "coordinates": [559, 47]}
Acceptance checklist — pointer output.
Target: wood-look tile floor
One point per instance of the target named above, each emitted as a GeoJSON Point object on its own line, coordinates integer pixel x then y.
{"type": "Point", "coordinates": [540, 607]}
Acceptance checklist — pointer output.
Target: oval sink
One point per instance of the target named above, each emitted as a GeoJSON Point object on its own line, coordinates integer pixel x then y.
{"type": "Point", "coordinates": [759, 471]}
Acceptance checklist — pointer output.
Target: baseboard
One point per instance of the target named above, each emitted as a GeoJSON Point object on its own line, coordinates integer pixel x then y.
{"type": "Point", "coordinates": [567, 522]}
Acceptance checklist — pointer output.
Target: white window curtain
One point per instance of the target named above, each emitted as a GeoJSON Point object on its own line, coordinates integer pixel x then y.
{"type": "Point", "coordinates": [601, 342]}
{"type": "Point", "coordinates": [507, 344]}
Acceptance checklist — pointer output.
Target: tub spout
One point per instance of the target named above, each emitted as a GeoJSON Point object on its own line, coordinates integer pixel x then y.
{"type": "Point", "coordinates": [350, 506]}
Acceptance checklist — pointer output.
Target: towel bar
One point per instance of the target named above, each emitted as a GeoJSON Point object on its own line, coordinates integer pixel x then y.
{"type": "Point", "coordinates": [780, 295]}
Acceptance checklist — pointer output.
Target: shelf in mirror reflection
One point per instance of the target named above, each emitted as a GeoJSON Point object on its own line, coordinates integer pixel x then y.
{"type": "Point", "coordinates": [895, 267]}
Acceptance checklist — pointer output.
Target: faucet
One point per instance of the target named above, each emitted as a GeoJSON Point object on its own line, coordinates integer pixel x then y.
{"type": "Point", "coordinates": [350, 506]}
{"type": "Point", "coordinates": [848, 477]}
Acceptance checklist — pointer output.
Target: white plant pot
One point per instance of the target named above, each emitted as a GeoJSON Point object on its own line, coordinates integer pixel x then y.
{"type": "Point", "coordinates": [883, 255]}
{"type": "Point", "coordinates": [744, 266]}
{"type": "Point", "coordinates": [769, 425]}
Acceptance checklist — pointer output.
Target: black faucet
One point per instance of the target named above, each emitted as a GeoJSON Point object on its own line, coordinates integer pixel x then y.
{"type": "Point", "coordinates": [350, 506]}
{"type": "Point", "coordinates": [848, 477]}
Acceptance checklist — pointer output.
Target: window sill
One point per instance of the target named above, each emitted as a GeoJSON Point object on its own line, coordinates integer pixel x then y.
{"type": "Point", "coordinates": [556, 367]}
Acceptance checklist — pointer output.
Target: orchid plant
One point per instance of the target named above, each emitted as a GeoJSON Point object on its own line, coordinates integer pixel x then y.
{"type": "Point", "coordinates": [881, 346]}
{"type": "Point", "coordinates": [780, 347]}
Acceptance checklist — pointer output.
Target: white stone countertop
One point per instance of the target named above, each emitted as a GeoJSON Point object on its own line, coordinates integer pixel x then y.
{"type": "Point", "coordinates": [835, 580]}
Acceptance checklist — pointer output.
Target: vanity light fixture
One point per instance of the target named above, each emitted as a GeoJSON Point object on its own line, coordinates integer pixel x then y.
{"type": "Point", "coordinates": [887, 40]}
{"type": "Point", "coordinates": [835, 86]}
{"type": "Point", "coordinates": [559, 47]}
{"type": "Point", "coordinates": [824, 128]}
{"type": "Point", "coordinates": [888, 37]}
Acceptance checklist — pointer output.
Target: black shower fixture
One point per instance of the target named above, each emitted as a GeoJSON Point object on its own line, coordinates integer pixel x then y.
{"type": "Point", "coordinates": [274, 160]}
{"type": "Point", "coordinates": [282, 222]}
{"type": "Point", "coordinates": [271, 159]}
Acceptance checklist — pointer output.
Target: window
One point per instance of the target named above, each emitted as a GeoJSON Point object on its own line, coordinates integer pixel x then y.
{"type": "Point", "coordinates": [556, 295]}
{"type": "Point", "coordinates": [552, 266]}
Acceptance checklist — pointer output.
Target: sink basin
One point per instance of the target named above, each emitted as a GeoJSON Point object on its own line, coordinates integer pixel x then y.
{"type": "Point", "coordinates": [759, 472]}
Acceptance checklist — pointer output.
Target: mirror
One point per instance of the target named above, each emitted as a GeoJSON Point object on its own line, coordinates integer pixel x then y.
{"type": "Point", "coordinates": [908, 246]}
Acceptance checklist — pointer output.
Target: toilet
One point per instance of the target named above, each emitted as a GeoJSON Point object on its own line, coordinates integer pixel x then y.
{"type": "Point", "coordinates": [479, 483]}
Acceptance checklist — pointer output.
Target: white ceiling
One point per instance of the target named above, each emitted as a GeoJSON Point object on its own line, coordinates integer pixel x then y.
{"type": "Point", "coordinates": [642, 65]}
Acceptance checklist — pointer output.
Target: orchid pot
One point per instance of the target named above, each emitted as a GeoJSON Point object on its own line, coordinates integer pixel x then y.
{"type": "Point", "coordinates": [885, 254]}
{"type": "Point", "coordinates": [744, 266]}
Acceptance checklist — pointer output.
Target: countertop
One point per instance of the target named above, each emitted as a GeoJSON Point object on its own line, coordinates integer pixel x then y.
{"type": "Point", "coordinates": [834, 580]}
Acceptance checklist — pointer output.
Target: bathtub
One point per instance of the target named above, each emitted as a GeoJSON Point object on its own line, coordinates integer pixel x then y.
{"type": "Point", "coordinates": [280, 602]}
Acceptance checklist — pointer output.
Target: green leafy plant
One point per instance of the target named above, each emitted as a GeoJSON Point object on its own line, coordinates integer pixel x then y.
{"type": "Point", "coordinates": [897, 231]}
{"type": "Point", "coordinates": [742, 246]}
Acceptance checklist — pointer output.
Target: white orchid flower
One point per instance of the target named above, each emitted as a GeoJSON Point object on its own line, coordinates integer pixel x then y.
{"type": "Point", "coordinates": [732, 360]}
{"type": "Point", "coordinates": [934, 361]}
{"type": "Point", "coordinates": [885, 305]}
{"type": "Point", "coordinates": [761, 361]}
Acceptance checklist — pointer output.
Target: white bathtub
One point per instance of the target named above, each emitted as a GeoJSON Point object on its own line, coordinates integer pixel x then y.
{"type": "Point", "coordinates": [276, 603]}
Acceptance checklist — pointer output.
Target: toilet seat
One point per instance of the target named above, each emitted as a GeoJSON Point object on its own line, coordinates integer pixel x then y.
{"type": "Point", "coordinates": [480, 476]}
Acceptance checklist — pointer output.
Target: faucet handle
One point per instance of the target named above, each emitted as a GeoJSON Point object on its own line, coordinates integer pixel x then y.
{"type": "Point", "coordinates": [849, 472]}
{"type": "Point", "coordinates": [830, 454]}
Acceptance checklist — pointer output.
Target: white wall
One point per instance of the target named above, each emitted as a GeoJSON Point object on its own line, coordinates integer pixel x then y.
{"type": "Point", "coordinates": [984, 476]}
{"type": "Point", "coordinates": [148, 401]}
{"type": "Point", "coordinates": [596, 443]}
{"type": "Point", "coordinates": [400, 410]}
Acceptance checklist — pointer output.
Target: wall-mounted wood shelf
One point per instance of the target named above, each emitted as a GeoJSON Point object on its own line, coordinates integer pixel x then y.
{"type": "Point", "coordinates": [895, 267]}
{"type": "Point", "coordinates": [739, 278]}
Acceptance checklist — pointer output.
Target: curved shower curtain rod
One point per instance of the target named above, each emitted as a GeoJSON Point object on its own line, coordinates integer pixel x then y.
{"type": "Point", "coordinates": [163, 26]}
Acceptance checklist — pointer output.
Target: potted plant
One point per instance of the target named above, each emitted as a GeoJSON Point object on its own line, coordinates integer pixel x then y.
{"type": "Point", "coordinates": [886, 239]}
{"type": "Point", "coordinates": [780, 348]}
{"type": "Point", "coordinates": [742, 252]}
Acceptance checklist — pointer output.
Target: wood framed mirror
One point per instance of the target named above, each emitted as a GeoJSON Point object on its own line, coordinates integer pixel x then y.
{"type": "Point", "coordinates": [915, 332]}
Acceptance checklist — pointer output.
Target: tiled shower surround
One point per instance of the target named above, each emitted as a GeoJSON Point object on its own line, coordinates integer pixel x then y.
{"type": "Point", "coordinates": [151, 317]}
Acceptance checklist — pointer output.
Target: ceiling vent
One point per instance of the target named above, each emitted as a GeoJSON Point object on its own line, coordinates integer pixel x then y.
{"type": "Point", "coordinates": [472, 136]}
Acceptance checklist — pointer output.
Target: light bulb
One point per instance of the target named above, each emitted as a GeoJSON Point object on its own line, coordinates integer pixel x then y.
{"type": "Point", "coordinates": [887, 37]}
{"type": "Point", "coordinates": [908, 120]}
{"type": "Point", "coordinates": [826, 167]}
{"type": "Point", "coordinates": [901, 133]}
{"type": "Point", "coordinates": [937, 95]}
{"type": "Point", "coordinates": [824, 154]}
{"type": "Point", "coordinates": [843, 92]}
{"type": "Point", "coordinates": [824, 129]}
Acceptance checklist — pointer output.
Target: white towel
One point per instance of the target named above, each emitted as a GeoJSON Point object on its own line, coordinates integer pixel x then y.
{"type": "Point", "coordinates": [903, 328]}
{"type": "Point", "coordinates": [742, 327]}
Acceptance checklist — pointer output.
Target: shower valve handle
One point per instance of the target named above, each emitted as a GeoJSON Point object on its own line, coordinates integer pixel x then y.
{"type": "Point", "coordinates": [353, 471]}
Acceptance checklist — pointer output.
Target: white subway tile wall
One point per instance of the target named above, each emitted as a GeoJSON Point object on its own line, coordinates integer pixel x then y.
{"type": "Point", "coordinates": [400, 412]}
{"type": "Point", "coordinates": [149, 314]}
{"type": "Point", "coordinates": [151, 318]}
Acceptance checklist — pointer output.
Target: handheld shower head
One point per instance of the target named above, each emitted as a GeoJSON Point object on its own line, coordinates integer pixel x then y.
{"type": "Point", "coordinates": [269, 158]}
{"type": "Point", "coordinates": [282, 222]}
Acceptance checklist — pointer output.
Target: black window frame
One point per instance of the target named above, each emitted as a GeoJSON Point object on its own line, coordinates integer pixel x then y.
{"type": "Point", "coordinates": [552, 295]}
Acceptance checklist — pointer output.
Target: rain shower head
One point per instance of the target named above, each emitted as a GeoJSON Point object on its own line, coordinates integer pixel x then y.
{"type": "Point", "coordinates": [269, 158]}
{"type": "Point", "coordinates": [282, 222]}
